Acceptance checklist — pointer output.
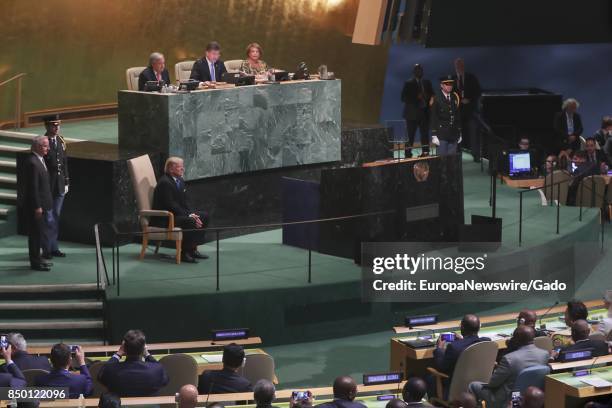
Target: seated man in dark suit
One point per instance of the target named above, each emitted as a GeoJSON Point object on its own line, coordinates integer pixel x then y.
{"type": "Point", "coordinates": [525, 317]}
{"type": "Point", "coordinates": [10, 374]}
{"type": "Point", "coordinates": [209, 68]}
{"type": "Point", "coordinates": [60, 375]}
{"type": "Point", "coordinates": [414, 391]}
{"type": "Point", "coordinates": [345, 391]}
{"type": "Point", "coordinates": [446, 355]}
{"type": "Point", "coordinates": [595, 156]}
{"type": "Point", "coordinates": [580, 170]}
{"type": "Point", "coordinates": [171, 195]}
{"type": "Point", "coordinates": [580, 335]}
{"type": "Point", "coordinates": [155, 71]}
{"type": "Point", "coordinates": [134, 377]}
{"type": "Point", "coordinates": [23, 359]}
{"type": "Point", "coordinates": [226, 380]}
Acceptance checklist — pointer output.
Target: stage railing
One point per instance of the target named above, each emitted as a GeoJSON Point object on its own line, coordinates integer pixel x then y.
{"type": "Point", "coordinates": [118, 238]}
{"type": "Point", "coordinates": [18, 93]}
{"type": "Point", "coordinates": [558, 184]}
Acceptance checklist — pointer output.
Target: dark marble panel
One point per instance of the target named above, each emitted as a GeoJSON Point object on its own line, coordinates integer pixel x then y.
{"type": "Point", "coordinates": [143, 121]}
{"type": "Point", "coordinates": [363, 144]}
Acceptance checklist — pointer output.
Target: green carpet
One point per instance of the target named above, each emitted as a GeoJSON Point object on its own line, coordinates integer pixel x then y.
{"type": "Point", "coordinates": [97, 130]}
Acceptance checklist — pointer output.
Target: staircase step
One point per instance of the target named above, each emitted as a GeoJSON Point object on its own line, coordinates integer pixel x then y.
{"type": "Point", "coordinates": [52, 305]}
{"type": "Point", "coordinates": [43, 343]}
{"type": "Point", "coordinates": [51, 324]}
{"type": "Point", "coordinates": [8, 179]}
{"type": "Point", "coordinates": [8, 196]}
{"type": "Point", "coordinates": [10, 164]}
{"type": "Point", "coordinates": [76, 287]}
{"type": "Point", "coordinates": [26, 137]}
{"type": "Point", "coordinates": [13, 149]}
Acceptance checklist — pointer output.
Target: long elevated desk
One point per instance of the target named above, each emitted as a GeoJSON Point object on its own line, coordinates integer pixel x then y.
{"type": "Point", "coordinates": [236, 129]}
{"type": "Point", "coordinates": [499, 327]}
{"type": "Point", "coordinates": [564, 390]}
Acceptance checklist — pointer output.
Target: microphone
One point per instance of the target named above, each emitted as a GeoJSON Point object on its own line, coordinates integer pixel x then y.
{"type": "Point", "coordinates": [212, 383]}
{"type": "Point", "coordinates": [543, 326]}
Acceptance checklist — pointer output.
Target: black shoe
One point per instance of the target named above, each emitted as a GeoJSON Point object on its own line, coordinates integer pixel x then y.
{"type": "Point", "coordinates": [185, 257]}
{"type": "Point", "coordinates": [46, 255]}
{"type": "Point", "coordinates": [196, 254]}
{"type": "Point", "coordinates": [40, 267]}
{"type": "Point", "coordinates": [47, 264]}
{"type": "Point", "coordinates": [58, 253]}
{"type": "Point", "coordinates": [408, 154]}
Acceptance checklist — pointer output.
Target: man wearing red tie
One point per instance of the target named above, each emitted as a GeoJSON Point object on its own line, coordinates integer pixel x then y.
{"type": "Point", "coordinates": [156, 71]}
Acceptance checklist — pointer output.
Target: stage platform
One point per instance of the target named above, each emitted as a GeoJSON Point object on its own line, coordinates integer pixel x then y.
{"type": "Point", "coordinates": [263, 284]}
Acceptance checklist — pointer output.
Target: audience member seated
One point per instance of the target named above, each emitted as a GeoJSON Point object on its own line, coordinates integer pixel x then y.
{"type": "Point", "coordinates": [498, 391]}
{"type": "Point", "coordinates": [580, 335]}
{"type": "Point", "coordinates": [253, 65]}
{"type": "Point", "coordinates": [465, 400]}
{"type": "Point", "coordinates": [155, 71]}
{"type": "Point", "coordinates": [446, 355]}
{"type": "Point", "coordinates": [607, 149]}
{"type": "Point", "coordinates": [550, 164]}
{"type": "Point", "coordinates": [606, 324]}
{"type": "Point", "coordinates": [575, 310]}
{"type": "Point", "coordinates": [187, 396]}
{"type": "Point", "coordinates": [525, 317]}
{"type": "Point", "coordinates": [414, 391]}
{"type": "Point", "coordinates": [396, 403]}
{"type": "Point", "coordinates": [10, 374]}
{"type": "Point", "coordinates": [264, 394]}
{"type": "Point", "coordinates": [23, 359]}
{"type": "Point", "coordinates": [604, 133]}
{"type": "Point", "coordinates": [60, 375]}
{"type": "Point", "coordinates": [568, 126]}
{"type": "Point", "coordinates": [581, 169]}
{"type": "Point", "coordinates": [533, 397]}
{"type": "Point", "coordinates": [171, 195]}
{"type": "Point", "coordinates": [109, 400]}
{"type": "Point", "coordinates": [226, 380]}
{"type": "Point", "coordinates": [594, 156]}
{"type": "Point", "coordinates": [210, 68]}
{"type": "Point", "coordinates": [345, 391]}
{"type": "Point", "coordinates": [134, 377]}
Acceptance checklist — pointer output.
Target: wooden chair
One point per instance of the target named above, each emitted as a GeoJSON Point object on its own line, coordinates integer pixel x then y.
{"type": "Point", "coordinates": [474, 364]}
{"type": "Point", "coordinates": [591, 192]}
{"type": "Point", "coordinates": [131, 76]}
{"type": "Point", "coordinates": [182, 369]}
{"type": "Point", "coordinates": [557, 192]}
{"type": "Point", "coordinates": [144, 182]}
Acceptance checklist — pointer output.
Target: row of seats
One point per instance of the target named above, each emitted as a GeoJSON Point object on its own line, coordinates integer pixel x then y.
{"type": "Point", "coordinates": [591, 190]}
{"type": "Point", "coordinates": [182, 71]}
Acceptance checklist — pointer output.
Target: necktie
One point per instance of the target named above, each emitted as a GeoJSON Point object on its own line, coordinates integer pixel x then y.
{"type": "Point", "coordinates": [212, 72]}
{"type": "Point", "coordinates": [178, 183]}
{"type": "Point", "coordinates": [158, 75]}
{"type": "Point", "coordinates": [53, 143]}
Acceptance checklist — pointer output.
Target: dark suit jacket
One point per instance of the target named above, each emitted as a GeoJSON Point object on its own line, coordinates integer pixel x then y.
{"type": "Point", "coordinates": [148, 74]}
{"type": "Point", "coordinates": [415, 108]}
{"type": "Point", "coordinates": [471, 90]}
{"type": "Point", "coordinates": [133, 378]}
{"type": "Point", "coordinates": [601, 138]}
{"type": "Point", "coordinates": [201, 72]}
{"type": "Point", "coordinates": [168, 197]}
{"type": "Point", "coordinates": [560, 127]}
{"type": "Point", "coordinates": [36, 187]}
{"type": "Point", "coordinates": [445, 120]}
{"type": "Point", "coordinates": [11, 376]}
{"type": "Point", "coordinates": [600, 347]}
{"type": "Point", "coordinates": [27, 361]}
{"type": "Point", "coordinates": [57, 165]}
{"type": "Point", "coordinates": [222, 382]}
{"type": "Point", "coordinates": [340, 403]}
{"type": "Point", "coordinates": [600, 157]}
{"type": "Point", "coordinates": [77, 384]}
{"type": "Point", "coordinates": [445, 360]}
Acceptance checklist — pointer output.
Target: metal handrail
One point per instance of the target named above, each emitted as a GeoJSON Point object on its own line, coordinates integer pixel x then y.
{"type": "Point", "coordinates": [18, 92]}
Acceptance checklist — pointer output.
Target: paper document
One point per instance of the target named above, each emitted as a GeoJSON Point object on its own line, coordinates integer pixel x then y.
{"type": "Point", "coordinates": [597, 382]}
{"type": "Point", "coordinates": [213, 358]}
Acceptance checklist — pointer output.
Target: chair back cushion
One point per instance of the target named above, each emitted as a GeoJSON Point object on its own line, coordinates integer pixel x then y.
{"type": "Point", "coordinates": [182, 70]}
{"type": "Point", "coordinates": [258, 367]}
{"type": "Point", "coordinates": [31, 374]}
{"type": "Point", "coordinates": [233, 65]}
{"type": "Point", "coordinates": [544, 343]}
{"type": "Point", "coordinates": [557, 192]}
{"type": "Point", "coordinates": [98, 387]}
{"type": "Point", "coordinates": [132, 77]}
{"type": "Point", "coordinates": [591, 192]}
{"type": "Point", "coordinates": [475, 363]}
{"type": "Point", "coordinates": [533, 375]}
{"type": "Point", "coordinates": [143, 180]}
{"type": "Point", "coordinates": [182, 369]}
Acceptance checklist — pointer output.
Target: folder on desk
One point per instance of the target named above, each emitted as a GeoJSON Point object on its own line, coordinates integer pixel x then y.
{"type": "Point", "coordinates": [597, 382]}
{"type": "Point", "coordinates": [213, 358]}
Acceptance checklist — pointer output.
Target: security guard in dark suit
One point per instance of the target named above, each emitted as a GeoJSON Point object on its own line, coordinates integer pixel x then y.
{"type": "Point", "coordinates": [57, 165]}
{"type": "Point", "coordinates": [445, 118]}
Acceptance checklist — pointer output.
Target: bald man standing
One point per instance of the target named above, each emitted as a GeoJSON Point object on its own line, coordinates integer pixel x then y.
{"type": "Point", "coordinates": [345, 391]}
{"type": "Point", "coordinates": [498, 391]}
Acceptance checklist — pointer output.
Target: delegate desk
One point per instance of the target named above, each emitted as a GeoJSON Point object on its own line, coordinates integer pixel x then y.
{"type": "Point", "coordinates": [411, 361]}
{"type": "Point", "coordinates": [236, 129]}
{"type": "Point", "coordinates": [564, 390]}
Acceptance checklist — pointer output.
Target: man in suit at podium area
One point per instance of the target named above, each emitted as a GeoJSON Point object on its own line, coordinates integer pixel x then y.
{"type": "Point", "coordinates": [155, 71]}
{"type": "Point", "coordinates": [35, 199]}
{"type": "Point", "coordinates": [209, 68]}
{"type": "Point", "coordinates": [445, 120]}
{"type": "Point", "coordinates": [171, 195]}
{"type": "Point", "coordinates": [416, 95]}
{"type": "Point", "coordinates": [468, 88]}
{"type": "Point", "coordinates": [57, 165]}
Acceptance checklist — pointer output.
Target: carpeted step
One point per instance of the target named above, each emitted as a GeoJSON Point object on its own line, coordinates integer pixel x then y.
{"type": "Point", "coordinates": [72, 304]}
{"type": "Point", "coordinates": [8, 196]}
{"type": "Point", "coordinates": [51, 324]}
{"type": "Point", "coordinates": [72, 287]}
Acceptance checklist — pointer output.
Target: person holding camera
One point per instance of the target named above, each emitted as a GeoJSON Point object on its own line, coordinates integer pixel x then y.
{"type": "Point", "coordinates": [60, 375]}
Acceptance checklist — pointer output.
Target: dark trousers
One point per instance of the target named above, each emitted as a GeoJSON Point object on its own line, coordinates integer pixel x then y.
{"type": "Point", "coordinates": [191, 239]}
{"type": "Point", "coordinates": [34, 237]}
{"type": "Point", "coordinates": [422, 124]}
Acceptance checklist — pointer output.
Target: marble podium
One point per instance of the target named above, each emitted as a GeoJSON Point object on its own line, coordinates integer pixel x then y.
{"type": "Point", "coordinates": [238, 129]}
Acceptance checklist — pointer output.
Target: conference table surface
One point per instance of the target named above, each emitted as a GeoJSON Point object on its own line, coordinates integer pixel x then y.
{"type": "Point", "coordinates": [560, 386]}
{"type": "Point", "coordinates": [414, 361]}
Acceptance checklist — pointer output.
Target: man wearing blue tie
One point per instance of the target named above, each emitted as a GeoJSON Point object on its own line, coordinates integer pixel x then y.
{"type": "Point", "coordinates": [209, 68]}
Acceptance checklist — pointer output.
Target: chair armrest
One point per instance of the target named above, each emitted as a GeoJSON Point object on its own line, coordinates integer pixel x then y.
{"type": "Point", "coordinates": [155, 213]}
{"type": "Point", "coordinates": [439, 376]}
{"type": "Point", "coordinates": [436, 373]}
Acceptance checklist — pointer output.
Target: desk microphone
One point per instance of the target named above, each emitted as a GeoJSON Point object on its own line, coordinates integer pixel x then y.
{"type": "Point", "coordinates": [212, 383]}
{"type": "Point", "coordinates": [543, 326]}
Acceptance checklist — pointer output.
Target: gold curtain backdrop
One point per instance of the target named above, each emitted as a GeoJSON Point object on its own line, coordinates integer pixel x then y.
{"type": "Point", "coordinates": [75, 52]}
